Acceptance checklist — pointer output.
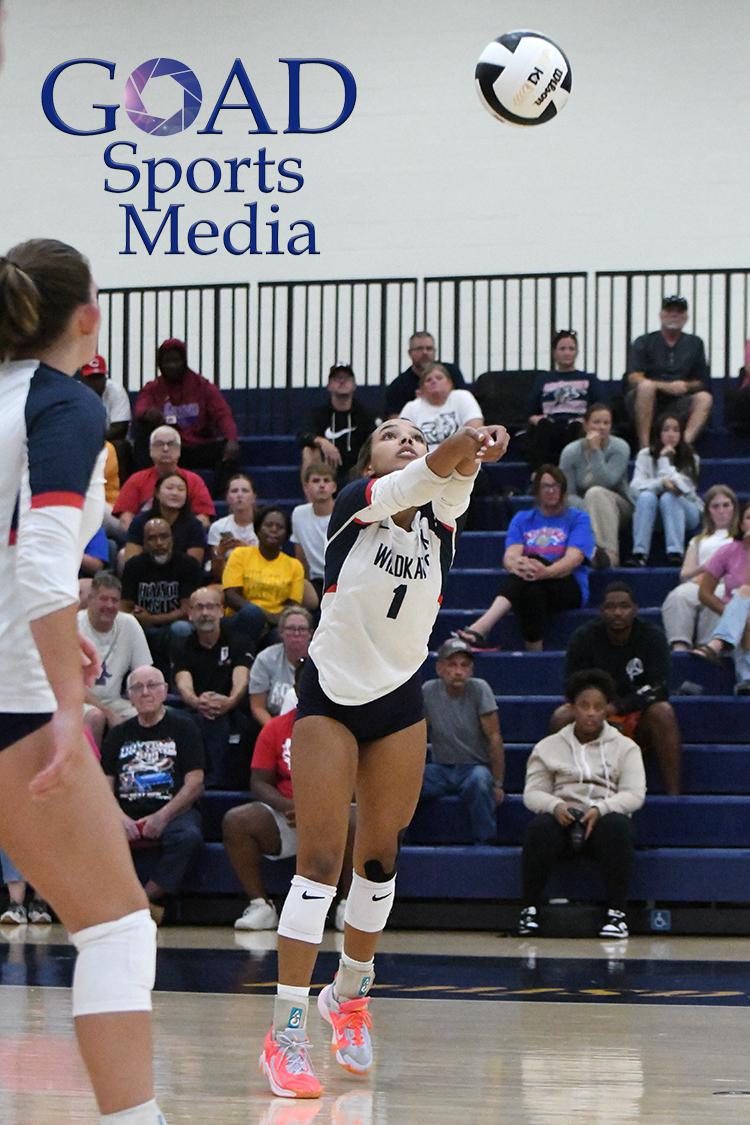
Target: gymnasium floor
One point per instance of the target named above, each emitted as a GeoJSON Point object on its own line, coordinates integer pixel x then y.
{"type": "Point", "coordinates": [471, 1029]}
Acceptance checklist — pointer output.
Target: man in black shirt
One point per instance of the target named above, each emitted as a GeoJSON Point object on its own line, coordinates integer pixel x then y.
{"type": "Point", "coordinates": [155, 765]}
{"type": "Point", "coordinates": [211, 670]}
{"type": "Point", "coordinates": [336, 430]}
{"type": "Point", "coordinates": [405, 386]}
{"type": "Point", "coordinates": [156, 587]}
{"type": "Point", "coordinates": [667, 370]}
{"type": "Point", "coordinates": [636, 655]}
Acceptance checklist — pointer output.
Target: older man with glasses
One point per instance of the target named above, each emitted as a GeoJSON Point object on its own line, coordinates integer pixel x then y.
{"type": "Point", "coordinates": [165, 447]}
{"type": "Point", "coordinates": [155, 765]}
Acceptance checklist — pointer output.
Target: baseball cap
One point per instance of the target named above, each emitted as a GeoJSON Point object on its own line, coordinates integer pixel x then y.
{"type": "Point", "coordinates": [675, 302]}
{"type": "Point", "coordinates": [98, 366]}
{"type": "Point", "coordinates": [346, 367]}
{"type": "Point", "coordinates": [452, 647]}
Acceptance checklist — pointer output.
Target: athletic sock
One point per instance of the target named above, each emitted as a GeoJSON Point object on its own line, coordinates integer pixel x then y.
{"type": "Point", "coordinates": [290, 1008]}
{"type": "Point", "coordinates": [146, 1114]}
{"type": "Point", "coordinates": [353, 979]}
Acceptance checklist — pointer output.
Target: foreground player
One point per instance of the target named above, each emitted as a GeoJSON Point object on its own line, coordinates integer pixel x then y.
{"type": "Point", "coordinates": [360, 725]}
{"type": "Point", "coordinates": [58, 818]}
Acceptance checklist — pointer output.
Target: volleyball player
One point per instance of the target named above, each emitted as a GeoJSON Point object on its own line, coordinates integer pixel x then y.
{"type": "Point", "coordinates": [58, 818]}
{"type": "Point", "coordinates": [360, 725]}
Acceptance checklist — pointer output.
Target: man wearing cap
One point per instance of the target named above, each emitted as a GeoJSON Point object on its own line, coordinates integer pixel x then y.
{"type": "Point", "coordinates": [405, 386]}
{"type": "Point", "coordinates": [468, 756]}
{"type": "Point", "coordinates": [116, 407]}
{"type": "Point", "coordinates": [182, 398]}
{"type": "Point", "coordinates": [667, 370]}
{"type": "Point", "coordinates": [336, 430]}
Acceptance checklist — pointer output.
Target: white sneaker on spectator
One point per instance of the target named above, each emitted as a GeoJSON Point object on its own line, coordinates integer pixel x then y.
{"type": "Point", "coordinates": [39, 913]}
{"type": "Point", "coordinates": [528, 923]}
{"type": "Point", "coordinates": [615, 926]}
{"type": "Point", "coordinates": [15, 915]}
{"type": "Point", "coordinates": [258, 915]}
{"type": "Point", "coordinates": [339, 921]}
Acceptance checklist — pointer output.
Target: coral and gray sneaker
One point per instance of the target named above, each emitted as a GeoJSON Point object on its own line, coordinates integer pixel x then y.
{"type": "Point", "coordinates": [339, 918]}
{"type": "Point", "coordinates": [615, 926]}
{"type": "Point", "coordinates": [528, 922]}
{"type": "Point", "coordinates": [259, 915]}
{"type": "Point", "coordinates": [285, 1062]}
{"type": "Point", "coordinates": [39, 913]}
{"type": "Point", "coordinates": [350, 1022]}
{"type": "Point", "coordinates": [15, 915]}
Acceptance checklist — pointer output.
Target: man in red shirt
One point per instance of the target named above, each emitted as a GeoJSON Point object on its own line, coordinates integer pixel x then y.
{"type": "Point", "coordinates": [138, 490]}
{"type": "Point", "coordinates": [182, 398]}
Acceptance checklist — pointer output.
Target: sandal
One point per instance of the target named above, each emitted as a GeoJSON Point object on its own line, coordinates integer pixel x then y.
{"type": "Point", "coordinates": [705, 652]}
{"type": "Point", "coordinates": [472, 637]}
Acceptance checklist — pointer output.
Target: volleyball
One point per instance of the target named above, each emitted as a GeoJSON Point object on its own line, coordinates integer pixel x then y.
{"type": "Point", "coordinates": [523, 78]}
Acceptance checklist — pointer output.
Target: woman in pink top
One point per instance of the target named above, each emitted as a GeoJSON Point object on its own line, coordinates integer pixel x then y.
{"type": "Point", "coordinates": [732, 633]}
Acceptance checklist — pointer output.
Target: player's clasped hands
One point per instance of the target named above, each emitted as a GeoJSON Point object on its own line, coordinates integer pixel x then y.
{"type": "Point", "coordinates": [491, 442]}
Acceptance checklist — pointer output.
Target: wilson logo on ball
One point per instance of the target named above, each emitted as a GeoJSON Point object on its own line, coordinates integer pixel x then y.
{"type": "Point", "coordinates": [523, 78]}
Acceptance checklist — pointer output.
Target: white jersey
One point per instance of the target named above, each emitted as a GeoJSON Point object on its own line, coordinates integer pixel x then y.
{"type": "Point", "coordinates": [51, 504]}
{"type": "Point", "coordinates": [384, 585]}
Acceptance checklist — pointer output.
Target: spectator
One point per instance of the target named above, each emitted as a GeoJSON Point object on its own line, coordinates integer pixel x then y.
{"type": "Point", "coordinates": [468, 756]}
{"type": "Point", "coordinates": [155, 765]}
{"type": "Point", "coordinates": [558, 401]}
{"type": "Point", "coordinates": [310, 522]}
{"type": "Point", "coordinates": [596, 471]}
{"type": "Point", "coordinates": [588, 777]}
{"type": "Point", "coordinates": [196, 408]}
{"type": "Point", "coordinates": [686, 621]}
{"type": "Point", "coordinates": [266, 827]}
{"type": "Point", "coordinates": [116, 405]}
{"type": "Point", "coordinates": [274, 669]}
{"type": "Point", "coordinates": [236, 529]}
{"type": "Point", "coordinates": [336, 430]}
{"type": "Point", "coordinates": [170, 503]}
{"type": "Point", "coordinates": [138, 490]}
{"type": "Point", "coordinates": [122, 646]}
{"type": "Point", "coordinates": [664, 483]}
{"type": "Point", "coordinates": [404, 388]}
{"type": "Point", "coordinates": [545, 549]}
{"type": "Point", "coordinates": [156, 588]}
{"type": "Point", "coordinates": [16, 913]}
{"type": "Point", "coordinates": [439, 410]}
{"type": "Point", "coordinates": [636, 655]}
{"type": "Point", "coordinates": [260, 581]}
{"type": "Point", "coordinates": [737, 398]}
{"type": "Point", "coordinates": [211, 672]}
{"type": "Point", "coordinates": [667, 370]}
{"type": "Point", "coordinates": [732, 632]}
{"type": "Point", "coordinates": [95, 555]}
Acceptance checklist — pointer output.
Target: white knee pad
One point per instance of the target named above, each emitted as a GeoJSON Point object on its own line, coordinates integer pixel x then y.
{"type": "Point", "coordinates": [116, 966]}
{"type": "Point", "coordinates": [368, 904]}
{"type": "Point", "coordinates": [304, 915]}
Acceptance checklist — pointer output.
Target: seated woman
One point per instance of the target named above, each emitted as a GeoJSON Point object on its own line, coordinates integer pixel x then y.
{"type": "Point", "coordinates": [439, 410]}
{"type": "Point", "coordinates": [557, 402]}
{"type": "Point", "coordinates": [664, 484]}
{"type": "Point", "coordinates": [236, 529]}
{"type": "Point", "coordinates": [260, 581]}
{"type": "Point", "coordinates": [687, 621]}
{"type": "Point", "coordinates": [732, 632]}
{"type": "Point", "coordinates": [596, 469]}
{"type": "Point", "coordinates": [545, 549]}
{"type": "Point", "coordinates": [584, 784]}
{"type": "Point", "coordinates": [171, 503]}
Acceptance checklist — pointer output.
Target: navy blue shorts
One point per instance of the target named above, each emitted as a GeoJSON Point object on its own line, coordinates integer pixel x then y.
{"type": "Point", "coordinates": [15, 725]}
{"type": "Point", "coordinates": [368, 721]}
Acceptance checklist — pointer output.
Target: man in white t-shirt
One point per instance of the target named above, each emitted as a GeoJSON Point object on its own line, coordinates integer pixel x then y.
{"type": "Point", "coordinates": [122, 646]}
{"type": "Point", "coordinates": [310, 521]}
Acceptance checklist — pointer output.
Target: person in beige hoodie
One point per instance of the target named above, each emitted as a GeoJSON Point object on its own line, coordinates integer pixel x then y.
{"type": "Point", "coordinates": [584, 783]}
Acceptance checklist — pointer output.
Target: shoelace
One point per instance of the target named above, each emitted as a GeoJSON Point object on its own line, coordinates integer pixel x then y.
{"type": "Point", "coordinates": [294, 1054]}
{"type": "Point", "coordinates": [351, 1022]}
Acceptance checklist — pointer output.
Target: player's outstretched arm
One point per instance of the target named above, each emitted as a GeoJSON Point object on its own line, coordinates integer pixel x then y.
{"type": "Point", "coordinates": [468, 448]}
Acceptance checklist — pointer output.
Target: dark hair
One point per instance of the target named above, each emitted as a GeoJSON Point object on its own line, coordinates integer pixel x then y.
{"type": "Point", "coordinates": [619, 588]}
{"type": "Point", "coordinates": [592, 409]}
{"type": "Point", "coordinates": [318, 469]}
{"type": "Point", "coordinates": [241, 476]}
{"type": "Point", "coordinates": [365, 453]}
{"type": "Point", "coordinates": [185, 512]}
{"type": "Point", "coordinates": [42, 282]}
{"type": "Point", "coordinates": [738, 533]}
{"type": "Point", "coordinates": [261, 514]}
{"type": "Point", "coordinates": [549, 471]}
{"type": "Point", "coordinates": [590, 678]}
{"type": "Point", "coordinates": [437, 367]}
{"type": "Point", "coordinates": [683, 458]}
{"type": "Point", "coordinates": [564, 334]}
{"type": "Point", "coordinates": [708, 521]}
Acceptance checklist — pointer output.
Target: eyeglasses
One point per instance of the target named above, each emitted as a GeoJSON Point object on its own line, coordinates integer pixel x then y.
{"type": "Point", "coordinates": [549, 487]}
{"type": "Point", "coordinates": [296, 629]}
{"type": "Point", "coordinates": [152, 685]}
{"type": "Point", "coordinates": [164, 444]}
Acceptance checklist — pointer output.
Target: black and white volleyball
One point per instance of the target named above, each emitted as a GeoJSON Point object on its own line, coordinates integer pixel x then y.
{"type": "Point", "coordinates": [523, 78]}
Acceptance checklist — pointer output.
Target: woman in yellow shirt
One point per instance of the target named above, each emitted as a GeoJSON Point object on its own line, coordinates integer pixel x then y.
{"type": "Point", "coordinates": [260, 581]}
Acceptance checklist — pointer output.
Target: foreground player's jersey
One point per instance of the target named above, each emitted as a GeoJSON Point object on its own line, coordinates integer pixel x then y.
{"type": "Point", "coordinates": [384, 585]}
{"type": "Point", "coordinates": [51, 503]}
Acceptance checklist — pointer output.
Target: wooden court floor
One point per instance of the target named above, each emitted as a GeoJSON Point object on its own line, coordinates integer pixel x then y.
{"type": "Point", "coordinates": [469, 1029]}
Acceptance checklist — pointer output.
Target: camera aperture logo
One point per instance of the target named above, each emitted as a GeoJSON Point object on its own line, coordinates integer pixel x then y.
{"type": "Point", "coordinates": [164, 96]}
{"type": "Point", "coordinates": [187, 92]}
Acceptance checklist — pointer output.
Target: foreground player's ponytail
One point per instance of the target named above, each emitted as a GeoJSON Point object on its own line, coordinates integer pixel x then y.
{"type": "Point", "coordinates": [41, 283]}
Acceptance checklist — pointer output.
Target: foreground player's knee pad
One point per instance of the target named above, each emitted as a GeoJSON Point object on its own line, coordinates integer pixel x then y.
{"type": "Point", "coordinates": [116, 966]}
{"type": "Point", "coordinates": [368, 903]}
{"type": "Point", "coordinates": [304, 915]}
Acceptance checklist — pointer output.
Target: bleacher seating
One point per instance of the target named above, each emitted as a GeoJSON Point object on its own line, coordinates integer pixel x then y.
{"type": "Point", "coordinates": [691, 849]}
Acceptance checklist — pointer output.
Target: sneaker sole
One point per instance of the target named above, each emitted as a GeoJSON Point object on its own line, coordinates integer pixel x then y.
{"type": "Point", "coordinates": [279, 1091]}
{"type": "Point", "coordinates": [326, 1015]}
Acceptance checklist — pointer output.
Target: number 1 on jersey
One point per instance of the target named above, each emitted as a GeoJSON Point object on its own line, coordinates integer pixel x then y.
{"type": "Point", "coordinates": [398, 600]}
